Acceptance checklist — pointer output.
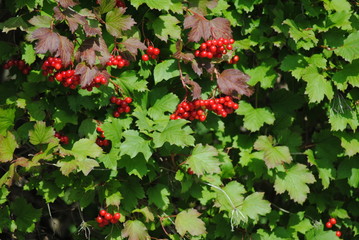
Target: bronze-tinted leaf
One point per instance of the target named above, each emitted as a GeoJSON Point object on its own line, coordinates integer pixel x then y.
{"type": "Point", "coordinates": [91, 31]}
{"type": "Point", "coordinates": [133, 44]}
{"type": "Point", "coordinates": [196, 88]}
{"type": "Point", "coordinates": [103, 53]}
{"type": "Point", "coordinates": [47, 40]}
{"type": "Point", "coordinates": [65, 50]}
{"type": "Point", "coordinates": [220, 27]}
{"type": "Point", "coordinates": [73, 18]}
{"type": "Point", "coordinates": [199, 27]}
{"type": "Point", "coordinates": [203, 28]}
{"type": "Point", "coordinates": [233, 82]}
{"type": "Point", "coordinates": [90, 48]}
{"type": "Point", "coordinates": [187, 57]}
{"type": "Point", "coordinates": [87, 73]}
{"type": "Point", "coordinates": [67, 3]}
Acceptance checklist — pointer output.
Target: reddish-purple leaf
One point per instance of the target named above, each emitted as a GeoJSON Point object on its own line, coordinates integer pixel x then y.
{"type": "Point", "coordinates": [91, 31]}
{"type": "Point", "coordinates": [186, 57]}
{"type": "Point", "coordinates": [87, 74]}
{"type": "Point", "coordinates": [199, 27]}
{"type": "Point", "coordinates": [90, 48]}
{"type": "Point", "coordinates": [196, 89]}
{"type": "Point", "coordinates": [233, 82]}
{"type": "Point", "coordinates": [220, 27]}
{"type": "Point", "coordinates": [65, 50]}
{"type": "Point", "coordinates": [67, 3]}
{"type": "Point", "coordinates": [203, 28]}
{"type": "Point", "coordinates": [133, 44]}
{"type": "Point", "coordinates": [198, 65]}
{"type": "Point", "coordinates": [196, 68]}
{"type": "Point", "coordinates": [73, 18]}
{"type": "Point", "coordinates": [47, 40]}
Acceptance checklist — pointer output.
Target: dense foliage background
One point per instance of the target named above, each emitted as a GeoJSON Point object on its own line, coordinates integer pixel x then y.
{"type": "Point", "coordinates": [277, 168]}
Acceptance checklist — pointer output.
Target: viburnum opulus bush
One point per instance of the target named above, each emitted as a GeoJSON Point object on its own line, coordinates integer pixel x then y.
{"type": "Point", "coordinates": [176, 119]}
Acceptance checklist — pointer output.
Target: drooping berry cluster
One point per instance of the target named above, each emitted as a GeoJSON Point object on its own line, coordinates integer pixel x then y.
{"type": "Point", "coordinates": [106, 218]}
{"type": "Point", "coordinates": [101, 141]}
{"type": "Point", "coordinates": [122, 105]}
{"type": "Point", "coordinates": [67, 78]}
{"type": "Point", "coordinates": [151, 53]}
{"type": "Point", "coordinates": [50, 65]}
{"type": "Point", "coordinates": [117, 61]}
{"type": "Point", "coordinates": [20, 64]}
{"type": "Point", "coordinates": [197, 109]}
{"type": "Point", "coordinates": [331, 222]}
{"type": "Point", "coordinates": [63, 139]}
{"type": "Point", "coordinates": [214, 48]}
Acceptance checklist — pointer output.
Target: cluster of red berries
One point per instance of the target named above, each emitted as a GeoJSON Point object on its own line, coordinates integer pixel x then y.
{"type": "Point", "coordinates": [63, 139]}
{"type": "Point", "coordinates": [101, 141]}
{"type": "Point", "coordinates": [66, 78]}
{"type": "Point", "coordinates": [106, 218]}
{"type": "Point", "coordinates": [214, 48]}
{"type": "Point", "coordinates": [331, 222]}
{"type": "Point", "coordinates": [196, 109]}
{"type": "Point", "coordinates": [51, 64]}
{"type": "Point", "coordinates": [122, 105]}
{"type": "Point", "coordinates": [20, 64]}
{"type": "Point", "coordinates": [151, 53]}
{"type": "Point", "coordinates": [117, 61]}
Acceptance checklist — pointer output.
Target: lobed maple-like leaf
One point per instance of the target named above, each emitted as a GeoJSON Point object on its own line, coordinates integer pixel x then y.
{"type": "Point", "coordinates": [116, 21]}
{"type": "Point", "coordinates": [233, 82]}
{"type": "Point", "coordinates": [134, 230]}
{"type": "Point", "coordinates": [67, 3]}
{"type": "Point", "coordinates": [73, 18]}
{"type": "Point", "coordinates": [48, 40]}
{"type": "Point", "coordinates": [87, 73]}
{"type": "Point", "coordinates": [133, 44]}
{"type": "Point", "coordinates": [203, 28]}
{"type": "Point", "coordinates": [65, 50]}
{"type": "Point", "coordinates": [189, 221]}
{"type": "Point", "coordinates": [196, 88]}
{"type": "Point", "coordinates": [91, 31]}
{"type": "Point", "coordinates": [92, 48]}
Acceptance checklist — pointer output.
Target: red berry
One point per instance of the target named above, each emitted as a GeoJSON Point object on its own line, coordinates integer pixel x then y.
{"type": "Point", "coordinates": [333, 221]}
{"type": "Point", "coordinates": [203, 46]}
{"type": "Point", "coordinates": [229, 47]}
{"type": "Point", "coordinates": [189, 171]}
{"type": "Point", "coordinates": [202, 118]}
{"type": "Point", "coordinates": [231, 41]}
{"type": "Point", "coordinates": [145, 57]}
{"type": "Point", "coordinates": [156, 51]}
{"type": "Point", "coordinates": [197, 52]}
{"type": "Point", "coordinates": [328, 225]}
{"type": "Point", "coordinates": [338, 233]}
{"type": "Point", "coordinates": [102, 212]}
{"type": "Point", "coordinates": [57, 66]}
{"type": "Point", "coordinates": [117, 216]}
{"type": "Point", "coordinates": [116, 114]}
{"type": "Point", "coordinates": [108, 216]}
{"type": "Point", "coordinates": [99, 219]}
{"type": "Point", "coordinates": [113, 221]}
{"type": "Point", "coordinates": [150, 50]}
{"type": "Point", "coordinates": [128, 100]}
{"type": "Point", "coordinates": [203, 54]}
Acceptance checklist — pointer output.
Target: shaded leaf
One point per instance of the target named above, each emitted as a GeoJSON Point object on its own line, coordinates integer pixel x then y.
{"type": "Point", "coordinates": [233, 82]}
{"type": "Point", "coordinates": [26, 215]}
{"type": "Point", "coordinates": [158, 195]}
{"type": "Point", "coordinates": [87, 74]}
{"type": "Point", "coordinates": [196, 88]}
{"type": "Point", "coordinates": [13, 24]}
{"type": "Point", "coordinates": [188, 221]}
{"type": "Point", "coordinates": [73, 18]}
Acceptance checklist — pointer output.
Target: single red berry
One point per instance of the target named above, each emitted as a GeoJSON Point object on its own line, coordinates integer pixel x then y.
{"type": "Point", "coordinates": [145, 57]}
{"type": "Point", "coordinates": [338, 233]}
{"type": "Point", "coordinates": [328, 225]}
{"type": "Point", "coordinates": [116, 114]}
{"type": "Point", "coordinates": [102, 212]}
{"type": "Point", "coordinates": [117, 216]}
{"type": "Point", "coordinates": [156, 51]}
{"type": "Point", "coordinates": [113, 221]}
{"type": "Point", "coordinates": [202, 118]}
{"type": "Point", "coordinates": [105, 142]}
{"type": "Point", "coordinates": [231, 41]}
{"type": "Point", "coordinates": [58, 66]}
{"type": "Point", "coordinates": [229, 47]}
{"type": "Point", "coordinates": [150, 50]}
{"type": "Point", "coordinates": [108, 216]}
{"type": "Point", "coordinates": [128, 100]}
{"type": "Point", "coordinates": [99, 219]}
{"type": "Point", "coordinates": [189, 171]}
{"type": "Point", "coordinates": [333, 221]}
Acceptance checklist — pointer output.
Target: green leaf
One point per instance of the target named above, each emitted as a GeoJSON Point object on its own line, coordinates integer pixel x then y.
{"type": "Point", "coordinates": [113, 131]}
{"type": "Point", "coordinates": [153, 4]}
{"type": "Point", "coordinates": [350, 142]}
{"type": "Point", "coordinates": [62, 117]}
{"type": "Point", "coordinates": [305, 39]}
{"type": "Point", "coordinates": [231, 197]}
{"type": "Point", "coordinates": [41, 21]}
{"type": "Point", "coordinates": [135, 144]}
{"type": "Point", "coordinates": [110, 159]}
{"type": "Point", "coordinates": [295, 64]}
{"type": "Point", "coordinates": [8, 145]}
{"type": "Point", "coordinates": [7, 117]}
{"type": "Point", "coordinates": [116, 22]}
{"type": "Point", "coordinates": [26, 215]}
{"type": "Point", "coordinates": [134, 230]}
{"type": "Point", "coordinates": [340, 121]}
{"type": "Point", "coordinates": [317, 233]}
{"type": "Point", "coordinates": [166, 26]}
{"type": "Point", "coordinates": [166, 70]}
{"type": "Point", "coordinates": [188, 221]}
{"type": "Point", "coordinates": [349, 169]}
{"type": "Point", "coordinates": [350, 49]}
{"type": "Point", "coordinates": [87, 165]}
{"type": "Point", "coordinates": [83, 148]}
{"type": "Point", "coordinates": [175, 134]}
{"type": "Point", "coordinates": [204, 159]}
{"type": "Point", "coordinates": [294, 181]}
{"type": "Point", "coordinates": [36, 110]}
{"type": "Point", "coordinates": [317, 85]}
{"type": "Point", "coordinates": [134, 166]}
{"type": "Point", "coordinates": [87, 127]}
{"type": "Point", "coordinates": [254, 205]}
{"type": "Point", "coordinates": [273, 155]}
{"type": "Point", "coordinates": [67, 167]}
{"type": "Point", "coordinates": [29, 55]}
{"type": "Point", "coordinates": [107, 5]}
{"type": "Point", "coordinates": [13, 24]}
{"type": "Point", "coordinates": [147, 213]}
{"type": "Point", "coordinates": [130, 82]}
{"type": "Point", "coordinates": [165, 104]}
{"type": "Point", "coordinates": [263, 74]}
{"type": "Point", "coordinates": [254, 118]}
{"type": "Point", "coordinates": [41, 134]}
{"type": "Point", "coordinates": [158, 195]}
{"type": "Point", "coordinates": [133, 192]}
{"type": "Point", "coordinates": [349, 74]}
